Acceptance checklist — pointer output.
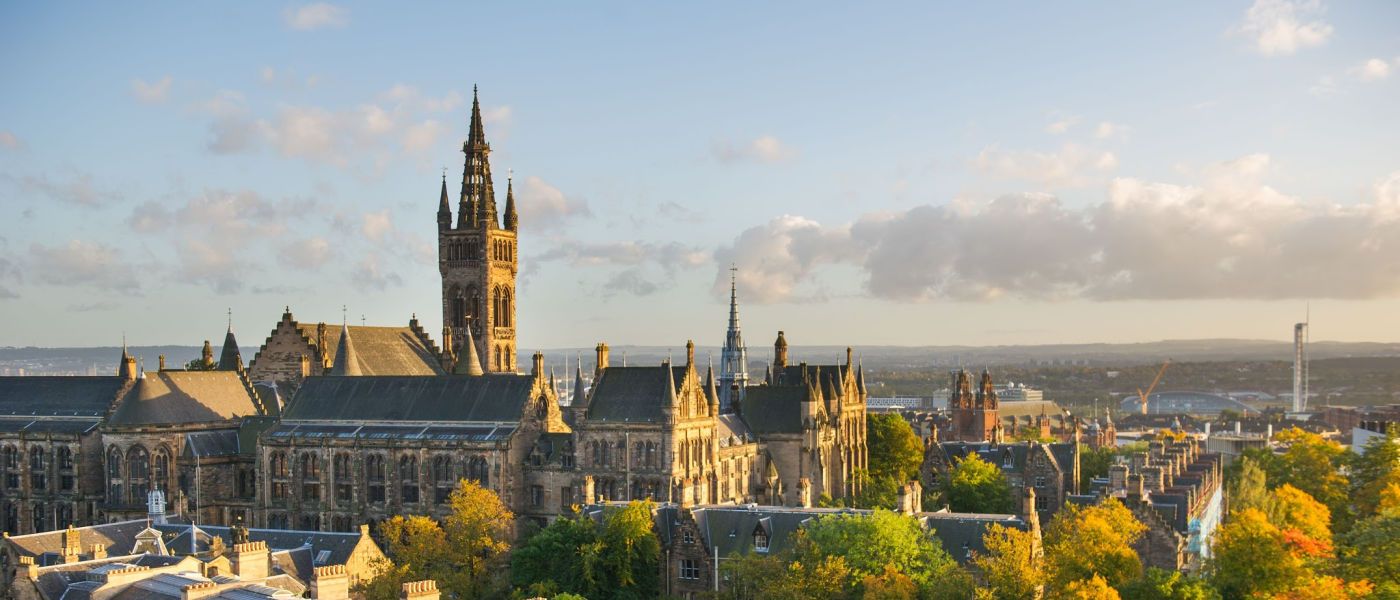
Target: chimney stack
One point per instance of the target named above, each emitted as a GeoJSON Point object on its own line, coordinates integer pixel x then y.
{"type": "Point", "coordinates": [330, 583]}
{"type": "Point", "coordinates": [250, 561]}
{"type": "Point", "coordinates": [601, 356]}
{"type": "Point", "coordinates": [420, 590]}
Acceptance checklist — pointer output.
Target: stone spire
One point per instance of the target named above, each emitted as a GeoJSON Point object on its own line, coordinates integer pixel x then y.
{"type": "Point", "coordinates": [511, 219]}
{"type": "Point", "coordinates": [229, 357]}
{"type": "Point", "coordinates": [477, 207]}
{"type": "Point", "coordinates": [734, 358]}
{"type": "Point", "coordinates": [127, 367]}
{"type": "Point", "coordinates": [347, 363]}
{"type": "Point", "coordinates": [444, 215]}
{"type": "Point", "coordinates": [579, 396]}
{"type": "Point", "coordinates": [711, 393]}
{"type": "Point", "coordinates": [468, 362]}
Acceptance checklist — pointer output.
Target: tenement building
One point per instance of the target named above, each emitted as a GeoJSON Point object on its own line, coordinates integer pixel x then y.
{"type": "Point", "coordinates": [332, 426]}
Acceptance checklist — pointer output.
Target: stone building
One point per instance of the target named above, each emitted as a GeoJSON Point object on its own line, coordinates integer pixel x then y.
{"type": "Point", "coordinates": [1051, 470]}
{"type": "Point", "coordinates": [1177, 490]}
{"type": "Point", "coordinates": [973, 414]}
{"type": "Point", "coordinates": [295, 351]}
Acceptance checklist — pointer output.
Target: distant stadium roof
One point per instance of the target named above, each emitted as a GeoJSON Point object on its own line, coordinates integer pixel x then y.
{"type": "Point", "coordinates": [1191, 403]}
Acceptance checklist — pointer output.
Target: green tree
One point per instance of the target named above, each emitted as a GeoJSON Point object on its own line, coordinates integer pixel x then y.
{"type": "Point", "coordinates": [1082, 543]}
{"type": "Point", "coordinates": [1249, 488]}
{"type": "Point", "coordinates": [1374, 470]}
{"type": "Point", "coordinates": [1161, 584]}
{"type": "Point", "coordinates": [1251, 558]}
{"type": "Point", "coordinates": [867, 544]}
{"type": "Point", "coordinates": [561, 556]}
{"type": "Point", "coordinates": [618, 558]}
{"type": "Point", "coordinates": [976, 485]}
{"type": "Point", "coordinates": [1094, 462]}
{"type": "Point", "coordinates": [1371, 551]}
{"type": "Point", "coordinates": [778, 577]}
{"type": "Point", "coordinates": [895, 454]}
{"type": "Point", "coordinates": [631, 552]}
{"type": "Point", "coordinates": [1312, 464]}
{"type": "Point", "coordinates": [1010, 566]}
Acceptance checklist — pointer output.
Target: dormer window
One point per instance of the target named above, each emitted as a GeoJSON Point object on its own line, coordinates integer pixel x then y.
{"type": "Point", "coordinates": [760, 539]}
{"type": "Point", "coordinates": [1008, 461]}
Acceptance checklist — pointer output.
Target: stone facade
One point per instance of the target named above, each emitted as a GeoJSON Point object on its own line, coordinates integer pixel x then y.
{"type": "Point", "coordinates": [1051, 470]}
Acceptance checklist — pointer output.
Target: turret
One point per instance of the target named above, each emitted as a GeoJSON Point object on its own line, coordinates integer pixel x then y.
{"type": "Point", "coordinates": [229, 357]}
{"type": "Point", "coordinates": [468, 361]}
{"type": "Point", "coordinates": [477, 207]}
{"type": "Point", "coordinates": [580, 398]}
{"type": "Point", "coordinates": [444, 214]}
{"type": "Point", "coordinates": [347, 363]}
{"type": "Point", "coordinates": [206, 356]}
{"type": "Point", "coordinates": [780, 352]}
{"type": "Point", "coordinates": [126, 367]}
{"type": "Point", "coordinates": [512, 221]}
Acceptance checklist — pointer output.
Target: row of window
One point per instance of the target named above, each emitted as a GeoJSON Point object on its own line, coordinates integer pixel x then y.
{"type": "Point", "coordinates": [43, 516]}
{"type": "Point", "coordinates": [138, 471]}
{"type": "Point", "coordinates": [465, 306]}
{"type": "Point", "coordinates": [39, 462]}
{"type": "Point", "coordinates": [445, 473]}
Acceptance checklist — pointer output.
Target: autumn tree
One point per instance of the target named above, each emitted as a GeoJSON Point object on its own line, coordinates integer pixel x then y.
{"type": "Point", "coordinates": [1161, 584]}
{"type": "Point", "coordinates": [1371, 551]}
{"type": "Point", "coordinates": [867, 543]}
{"type": "Point", "coordinates": [1093, 588]}
{"type": "Point", "coordinates": [976, 485]}
{"type": "Point", "coordinates": [465, 552]}
{"type": "Point", "coordinates": [1311, 464]}
{"type": "Point", "coordinates": [1086, 542]}
{"type": "Point", "coordinates": [1374, 471]}
{"type": "Point", "coordinates": [1290, 508]}
{"type": "Point", "coordinates": [1010, 565]}
{"type": "Point", "coordinates": [1252, 559]}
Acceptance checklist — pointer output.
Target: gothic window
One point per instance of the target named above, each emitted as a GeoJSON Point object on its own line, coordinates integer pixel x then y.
{"type": "Point", "coordinates": [507, 300]}
{"type": "Point", "coordinates": [11, 463]}
{"type": "Point", "coordinates": [474, 309]}
{"type": "Point", "coordinates": [374, 475]}
{"type": "Point", "coordinates": [651, 455]}
{"type": "Point", "coordinates": [247, 483]}
{"type": "Point", "coordinates": [278, 469]}
{"type": "Point", "coordinates": [115, 493]}
{"type": "Point", "coordinates": [457, 311]}
{"type": "Point", "coordinates": [408, 478]}
{"type": "Point", "coordinates": [310, 467]}
{"type": "Point", "coordinates": [63, 515]}
{"type": "Point", "coordinates": [340, 523]}
{"type": "Point", "coordinates": [567, 458]}
{"type": "Point", "coordinates": [443, 480]}
{"type": "Point", "coordinates": [162, 470]}
{"type": "Point", "coordinates": [309, 523]}
{"type": "Point", "coordinates": [67, 482]}
{"type": "Point", "coordinates": [40, 520]}
{"type": "Point", "coordinates": [138, 469]}
{"type": "Point", "coordinates": [344, 474]}
{"type": "Point", "coordinates": [638, 454]}
{"type": "Point", "coordinates": [37, 470]}
{"type": "Point", "coordinates": [479, 471]}
{"type": "Point", "coordinates": [1008, 461]}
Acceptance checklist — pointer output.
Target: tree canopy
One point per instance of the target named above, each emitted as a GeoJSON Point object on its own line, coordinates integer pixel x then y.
{"type": "Point", "coordinates": [1083, 543]}
{"type": "Point", "coordinates": [895, 454]}
{"type": "Point", "coordinates": [976, 485]}
{"type": "Point", "coordinates": [617, 558]}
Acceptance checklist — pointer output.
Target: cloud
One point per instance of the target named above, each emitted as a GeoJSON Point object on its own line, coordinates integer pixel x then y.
{"type": "Point", "coordinates": [1283, 27]}
{"type": "Point", "coordinates": [1374, 69]}
{"type": "Point", "coordinates": [286, 79]}
{"type": "Point", "coordinates": [151, 93]}
{"type": "Point", "coordinates": [9, 274]}
{"type": "Point", "coordinates": [1061, 126]}
{"type": "Point", "coordinates": [10, 141]}
{"type": "Point", "coordinates": [765, 148]}
{"type": "Point", "coordinates": [205, 262]}
{"type": "Point", "coordinates": [1228, 236]}
{"type": "Point", "coordinates": [320, 15]}
{"type": "Point", "coordinates": [370, 275]}
{"type": "Point", "coordinates": [542, 206]}
{"type": "Point", "coordinates": [640, 268]}
{"type": "Point", "coordinates": [377, 226]}
{"type": "Point", "coordinates": [308, 254]}
{"type": "Point", "coordinates": [1072, 165]}
{"type": "Point", "coordinates": [1106, 130]}
{"type": "Point", "coordinates": [421, 137]}
{"type": "Point", "coordinates": [82, 263]}
{"type": "Point", "coordinates": [77, 190]}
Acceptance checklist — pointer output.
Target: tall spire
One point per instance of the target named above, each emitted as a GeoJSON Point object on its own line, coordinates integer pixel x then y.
{"type": "Point", "coordinates": [229, 358]}
{"type": "Point", "coordinates": [734, 358]}
{"type": "Point", "coordinates": [579, 397]}
{"type": "Point", "coordinates": [477, 207]}
{"type": "Point", "coordinates": [511, 220]}
{"type": "Point", "coordinates": [444, 215]}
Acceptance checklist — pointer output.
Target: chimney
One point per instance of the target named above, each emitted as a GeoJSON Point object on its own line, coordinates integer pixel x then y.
{"type": "Point", "coordinates": [31, 570]}
{"type": "Point", "coordinates": [537, 366]}
{"type": "Point", "coordinates": [162, 362]}
{"type": "Point", "coordinates": [250, 561]}
{"type": "Point", "coordinates": [420, 590]}
{"type": "Point", "coordinates": [72, 545]}
{"type": "Point", "coordinates": [330, 583]}
{"type": "Point", "coordinates": [601, 355]}
{"type": "Point", "coordinates": [1237, 427]}
{"type": "Point", "coordinates": [1028, 504]}
{"type": "Point", "coordinates": [911, 498]}
{"type": "Point", "coordinates": [99, 551]}
{"type": "Point", "coordinates": [589, 489]}
{"type": "Point", "coordinates": [199, 589]}
{"type": "Point", "coordinates": [689, 353]}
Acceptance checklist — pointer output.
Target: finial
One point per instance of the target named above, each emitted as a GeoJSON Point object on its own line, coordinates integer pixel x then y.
{"type": "Point", "coordinates": [510, 175]}
{"type": "Point", "coordinates": [362, 319]}
{"type": "Point", "coordinates": [230, 318]}
{"type": "Point", "coordinates": [444, 174]}
{"type": "Point", "coordinates": [343, 319]}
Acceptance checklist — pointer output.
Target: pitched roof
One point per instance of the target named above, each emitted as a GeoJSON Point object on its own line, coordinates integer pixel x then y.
{"type": "Point", "coordinates": [773, 409]}
{"type": "Point", "coordinates": [59, 396]}
{"type": "Point", "coordinates": [381, 350]}
{"type": "Point", "coordinates": [633, 394]}
{"type": "Point", "coordinates": [178, 397]}
{"type": "Point", "coordinates": [118, 538]}
{"type": "Point", "coordinates": [347, 361]}
{"type": "Point", "coordinates": [338, 545]}
{"type": "Point", "coordinates": [495, 397]}
{"type": "Point", "coordinates": [961, 533]}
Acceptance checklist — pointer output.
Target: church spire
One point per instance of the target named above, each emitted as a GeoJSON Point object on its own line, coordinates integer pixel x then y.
{"type": "Point", "coordinates": [444, 215]}
{"type": "Point", "coordinates": [477, 207]}
{"type": "Point", "coordinates": [734, 358]}
{"type": "Point", "coordinates": [511, 220]}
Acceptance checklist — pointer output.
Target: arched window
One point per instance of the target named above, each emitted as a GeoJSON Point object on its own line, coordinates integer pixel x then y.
{"type": "Point", "coordinates": [162, 470]}
{"type": "Point", "coordinates": [374, 475]}
{"type": "Point", "coordinates": [279, 473]}
{"type": "Point", "coordinates": [408, 478]}
{"type": "Point", "coordinates": [443, 478]}
{"type": "Point", "coordinates": [310, 467]}
{"type": "Point", "coordinates": [115, 489]}
{"type": "Point", "coordinates": [38, 470]}
{"type": "Point", "coordinates": [10, 462]}
{"type": "Point", "coordinates": [507, 303]}
{"type": "Point", "coordinates": [479, 471]}
{"type": "Point", "coordinates": [138, 470]}
{"type": "Point", "coordinates": [344, 475]}
{"type": "Point", "coordinates": [66, 480]}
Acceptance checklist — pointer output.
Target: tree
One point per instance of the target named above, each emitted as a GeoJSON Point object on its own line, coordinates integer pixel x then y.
{"type": "Point", "coordinates": [1375, 470]}
{"type": "Point", "coordinates": [889, 585]}
{"type": "Point", "coordinates": [1251, 558]}
{"type": "Point", "coordinates": [198, 364]}
{"type": "Point", "coordinates": [617, 558]}
{"type": "Point", "coordinates": [976, 485]}
{"type": "Point", "coordinates": [776, 577]}
{"type": "Point", "coordinates": [1094, 588]}
{"type": "Point", "coordinates": [464, 553]}
{"type": "Point", "coordinates": [1011, 565]}
{"type": "Point", "coordinates": [895, 455]}
{"type": "Point", "coordinates": [1292, 508]}
{"type": "Point", "coordinates": [1371, 551]}
{"type": "Point", "coordinates": [1161, 584]}
{"type": "Point", "coordinates": [867, 544]}
{"type": "Point", "coordinates": [1093, 463]}
{"type": "Point", "coordinates": [1082, 543]}
{"type": "Point", "coordinates": [1249, 488]}
{"type": "Point", "coordinates": [1312, 464]}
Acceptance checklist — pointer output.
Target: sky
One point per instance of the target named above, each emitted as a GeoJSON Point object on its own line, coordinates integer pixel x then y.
{"type": "Point", "coordinates": [922, 173]}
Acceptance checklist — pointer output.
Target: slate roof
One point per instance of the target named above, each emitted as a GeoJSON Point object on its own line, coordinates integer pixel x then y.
{"type": "Point", "coordinates": [827, 375]}
{"type": "Point", "coordinates": [731, 430]}
{"type": "Point", "coordinates": [632, 394]}
{"type": "Point", "coordinates": [380, 350]}
{"type": "Point", "coordinates": [180, 397]}
{"type": "Point", "coordinates": [773, 409]}
{"type": "Point", "coordinates": [731, 528]}
{"type": "Point", "coordinates": [488, 398]}
{"type": "Point", "coordinates": [961, 533]}
{"type": "Point", "coordinates": [118, 537]}
{"type": "Point", "coordinates": [222, 442]}
{"type": "Point", "coordinates": [340, 545]}
{"type": "Point", "coordinates": [59, 396]}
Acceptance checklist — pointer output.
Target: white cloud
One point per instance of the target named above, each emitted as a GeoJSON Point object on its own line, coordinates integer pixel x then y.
{"type": "Point", "coordinates": [315, 16]}
{"type": "Point", "coordinates": [286, 79]}
{"type": "Point", "coordinates": [307, 254]}
{"type": "Point", "coordinates": [420, 137]}
{"type": "Point", "coordinates": [542, 206]}
{"type": "Point", "coordinates": [1282, 27]}
{"type": "Point", "coordinates": [1228, 236]}
{"type": "Point", "coordinates": [10, 141]}
{"type": "Point", "coordinates": [1062, 125]}
{"type": "Point", "coordinates": [78, 189]}
{"type": "Point", "coordinates": [1374, 69]}
{"type": "Point", "coordinates": [1072, 165]}
{"type": "Point", "coordinates": [377, 226]}
{"type": "Point", "coordinates": [638, 267]}
{"type": "Point", "coordinates": [1325, 86]}
{"type": "Point", "coordinates": [151, 93]}
{"type": "Point", "coordinates": [371, 275]}
{"type": "Point", "coordinates": [1106, 130]}
{"type": "Point", "coordinates": [83, 263]}
{"type": "Point", "coordinates": [764, 148]}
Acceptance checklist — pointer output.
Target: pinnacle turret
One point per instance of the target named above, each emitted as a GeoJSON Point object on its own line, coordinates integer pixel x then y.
{"type": "Point", "coordinates": [734, 358]}
{"type": "Point", "coordinates": [477, 207]}
{"type": "Point", "coordinates": [229, 357]}
{"type": "Point", "coordinates": [511, 219]}
{"type": "Point", "coordinates": [444, 214]}
{"type": "Point", "coordinates": [468, 362]}
{"type": "Point", "coordinates": [347, 362]}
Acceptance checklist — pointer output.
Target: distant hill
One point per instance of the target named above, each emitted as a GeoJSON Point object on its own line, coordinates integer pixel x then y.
{"type": "Point", "coordinates": [104, 359]}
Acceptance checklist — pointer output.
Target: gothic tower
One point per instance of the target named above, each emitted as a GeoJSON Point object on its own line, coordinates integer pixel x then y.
{"type": "Point", "coordinates": [734, 358]}
{"type": "Point", "coordinates": [478, 259]}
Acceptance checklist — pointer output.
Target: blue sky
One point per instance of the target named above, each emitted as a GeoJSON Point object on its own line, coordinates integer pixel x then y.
{"type": "Point", "coordinates": [921, 173]}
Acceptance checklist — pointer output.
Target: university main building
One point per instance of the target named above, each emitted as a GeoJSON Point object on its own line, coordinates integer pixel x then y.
{"type": "Point", "coordinates": [329, 427]}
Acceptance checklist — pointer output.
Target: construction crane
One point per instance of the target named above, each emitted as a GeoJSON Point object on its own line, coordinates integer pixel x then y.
{"type": "Point", "coordinates": [1142, 396]}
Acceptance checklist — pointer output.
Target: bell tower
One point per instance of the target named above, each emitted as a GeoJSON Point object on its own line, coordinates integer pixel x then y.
{"type": "Point", "coordinates": [478, 259]}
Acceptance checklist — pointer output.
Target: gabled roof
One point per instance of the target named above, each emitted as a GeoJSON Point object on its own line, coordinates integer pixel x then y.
{"type": "Point", "coordinates": [117, 537]}
{"type": "Point", "coordinates": [774, 409]}
{"type": "Point", "coordinates": [633, 394]}
{"type": "Point", "coordinates": [182, 397]}
{"type": "Point", "coordinates": [824, 375]}
{"type": "Point", "coordinates": [961, 533]}
{"type": "Point", "coordinates": [494, 398]}
{"type": "Point", "coordinates": [88, 397]}
{"type": "Point", "coordinates": [380, 350]}
{"type": "Point", "coordinates": [338, 545]}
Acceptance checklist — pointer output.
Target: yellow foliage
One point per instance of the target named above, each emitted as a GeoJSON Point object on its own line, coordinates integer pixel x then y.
{"type": "Point", "coordinates": [1094, 588]}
